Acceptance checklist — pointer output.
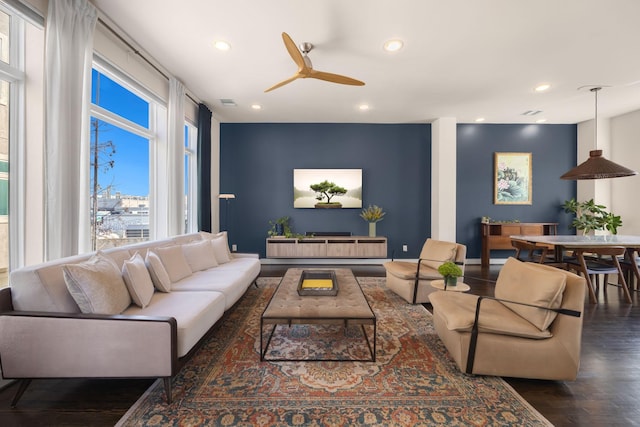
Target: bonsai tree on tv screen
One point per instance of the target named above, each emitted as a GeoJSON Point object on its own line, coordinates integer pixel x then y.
{"type": "Point", "coordinates": [327, 190]}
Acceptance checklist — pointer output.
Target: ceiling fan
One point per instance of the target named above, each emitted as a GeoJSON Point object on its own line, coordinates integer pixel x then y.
{"type": "Point", "coordinates": [305, 68]}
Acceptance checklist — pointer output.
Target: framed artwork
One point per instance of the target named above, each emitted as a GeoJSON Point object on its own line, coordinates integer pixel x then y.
{"type": "Point", "coordinates": [512, 179]}
{"type": "Point", "coordinates": [327, 188]}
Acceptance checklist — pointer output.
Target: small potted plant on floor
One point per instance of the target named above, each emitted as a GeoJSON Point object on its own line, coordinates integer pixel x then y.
{"type": "Point", "coordinates": [450, 271]}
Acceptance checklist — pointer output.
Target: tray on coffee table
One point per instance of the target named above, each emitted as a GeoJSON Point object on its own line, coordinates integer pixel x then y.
{"type": "Point", "coordinates": [317, 283]}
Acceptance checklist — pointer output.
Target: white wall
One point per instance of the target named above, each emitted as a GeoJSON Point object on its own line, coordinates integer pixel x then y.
{"type": "Point", "coordinates": [625, 150]}
{"type": "Point", "coordinates": [619, 140]}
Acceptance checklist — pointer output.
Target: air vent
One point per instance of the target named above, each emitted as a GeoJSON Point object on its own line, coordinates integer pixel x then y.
{"type": "Point", "coordinates": [228, 102]}
{"type": "Point", "coordinates": [531, 112]}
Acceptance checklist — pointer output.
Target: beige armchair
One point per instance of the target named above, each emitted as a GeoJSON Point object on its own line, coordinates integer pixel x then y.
{"type": "Point", "coordinates": [412, 280]}
{"type": "Point", "coordinates": [531, 329]}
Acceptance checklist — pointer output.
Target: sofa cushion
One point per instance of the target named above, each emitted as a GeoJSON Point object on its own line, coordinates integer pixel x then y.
{"type": "Point", "coordinates": [138, 281]}
{"type": "Point", "coordinates": [97, 285]}
{"type": "Point", "coordinates": [220, 245]}
{"type": "Point", "coordinates": [458, 311]}
{"type": "Point", "coordinates": [200, 255]}
{"type": "Point", "coordinates": [118, 255]}
{"type": "Point", "coordinates": [528, 283]}
{"type": "Point", "coordinates": [195, 314]}
{"type": "Point", "coordinates": [232, 279]}
{"type": "Point", "coordinates": [436, 252]}
{"type": "Point", "coordinates": [158, 274]}
{"type": "Point", "coordinates": [174, 262]}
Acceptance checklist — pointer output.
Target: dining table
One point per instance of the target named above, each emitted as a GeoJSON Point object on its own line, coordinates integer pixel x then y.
{"type": "Point", "coordinates": [578, 243]}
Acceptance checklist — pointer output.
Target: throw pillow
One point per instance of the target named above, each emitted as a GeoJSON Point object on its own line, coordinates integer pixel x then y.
{"type": "Point", "coordinates": [174, 262]}
{"type": "Point", "coordinates": [200, 255]}
{"type": "Point", "coordinates": [96, 285]}
{"type": "Point", "coordinates": [158, 274]}
{"type": "Point", "coordinates": [436, 252]}
{"type": "Point", "coordinates": [531, 284]}
{"type": "Point", "coordinates": [138, 281]}
{"type": "Point", "coordinates": [220, 245]}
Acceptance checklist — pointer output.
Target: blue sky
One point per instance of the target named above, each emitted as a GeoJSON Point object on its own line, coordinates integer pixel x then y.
{"type": "Point", "coordinates": [130, 174]}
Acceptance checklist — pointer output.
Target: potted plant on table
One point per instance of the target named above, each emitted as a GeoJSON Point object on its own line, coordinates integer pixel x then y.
{"type": "Point", "coordinates": [450, 271]}
{"type": "Point", "coordinates": [280, 227]}
{"type": "Point", "coordinates": [591, 216]}
{"type": "Point", "coordinates": [372, 214]}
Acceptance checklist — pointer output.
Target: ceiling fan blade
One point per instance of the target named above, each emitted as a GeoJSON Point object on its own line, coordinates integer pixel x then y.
{"type": "Point", "coordinates": [282, 83]}
{"type": "Point", "coordinates": [335, 78]}
{"type": "Point", "coordinates": [296, 55]}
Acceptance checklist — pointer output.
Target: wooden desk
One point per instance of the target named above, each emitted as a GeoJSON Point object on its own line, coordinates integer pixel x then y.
{"type": "Point", "coordinates": [496, 235]}
{"type": "Point", "coordinates": [562, 242]}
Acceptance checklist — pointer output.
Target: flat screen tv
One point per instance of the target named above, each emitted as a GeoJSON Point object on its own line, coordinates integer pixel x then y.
{"type": "Point", "coordinates": [327, 188]}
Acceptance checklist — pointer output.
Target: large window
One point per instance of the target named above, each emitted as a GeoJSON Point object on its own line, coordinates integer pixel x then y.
{"type": "Point", "coordinates": [120, 149]}
{"type": "Point", "coordinates": [129, 160]}
{"type": "Point", "coordinates": [11, 77]}
{"type": "Point", "coordinates": [190, 177]}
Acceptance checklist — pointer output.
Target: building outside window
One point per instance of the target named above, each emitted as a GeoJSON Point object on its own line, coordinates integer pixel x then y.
{"type": "Point", "coordinates": [120, 150]}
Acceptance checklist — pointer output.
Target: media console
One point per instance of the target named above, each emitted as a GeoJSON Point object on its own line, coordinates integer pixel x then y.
{"type": "Point", "coordinates": [327, 247]}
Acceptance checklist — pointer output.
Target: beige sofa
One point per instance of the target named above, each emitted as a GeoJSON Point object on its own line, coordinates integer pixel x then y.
{"type": "Point", "coordinates": [516, 340]}
{"type": "Point", "coordinates": [53, 327]}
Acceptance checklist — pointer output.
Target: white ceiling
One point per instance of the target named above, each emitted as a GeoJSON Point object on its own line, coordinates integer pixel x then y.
{"type": "Point", "coordinates": [462, 58]}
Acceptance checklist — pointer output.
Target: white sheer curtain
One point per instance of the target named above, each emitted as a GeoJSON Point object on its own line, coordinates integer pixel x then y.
{"type": "Point", "coordinates": [69, 50]}
{"type": "Point", "coordinates": [175, 158]}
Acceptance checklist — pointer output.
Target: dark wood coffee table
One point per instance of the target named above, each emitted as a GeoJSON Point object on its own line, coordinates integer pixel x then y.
{"type": "Point", "coordinates": [348, 307]}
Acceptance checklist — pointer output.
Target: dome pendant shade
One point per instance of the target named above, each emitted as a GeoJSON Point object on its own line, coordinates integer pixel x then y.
{"type": "Point", "coordinates": [597, 167]}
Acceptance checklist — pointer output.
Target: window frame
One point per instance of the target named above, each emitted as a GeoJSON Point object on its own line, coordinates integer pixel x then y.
{"type": "Point", "coordinates": [14, 74]}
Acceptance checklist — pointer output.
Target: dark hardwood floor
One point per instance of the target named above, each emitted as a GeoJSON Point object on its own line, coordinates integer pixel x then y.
{"type": "Point", "coordinates": [606, 392]}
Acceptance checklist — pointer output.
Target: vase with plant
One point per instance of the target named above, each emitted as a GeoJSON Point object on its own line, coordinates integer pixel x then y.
{"type": "Point", "coordinates": [280, 227]}
{"type": "Point", "coordinates": [372, 215]}
{"type": "Point", "coordinates": [450, 271]}
{"type": "Point", "coordinates": [591, 216]}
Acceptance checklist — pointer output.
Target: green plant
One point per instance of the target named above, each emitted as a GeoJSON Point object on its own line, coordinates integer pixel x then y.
{"type": "Point", "coordinates": [283, 221]}
{"type": "Point", "coordinates": [591, 216]}
{"type": "Point", "coordinates": [327, 190]}
{"type": "Point", "coordinates": [450, 269]}
{"type": "Point", "coordinates": [372, 214]}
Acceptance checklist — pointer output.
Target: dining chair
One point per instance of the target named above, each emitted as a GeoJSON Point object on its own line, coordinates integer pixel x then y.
{"type": "Point", "coordinates": [599, 260]}
{"type": "Point", "coordinates": [534, 252]}
{"type": "Point", "coordinates": [631, 266]}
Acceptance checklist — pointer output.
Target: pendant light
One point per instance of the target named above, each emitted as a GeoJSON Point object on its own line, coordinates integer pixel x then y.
{"type": "Point", "coordinates": [596, 166]}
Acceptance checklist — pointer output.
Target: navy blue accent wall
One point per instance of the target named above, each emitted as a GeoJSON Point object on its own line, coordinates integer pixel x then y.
{"type": "Point", "coordinates": [257, 162]}
{"type": "Point", "coordinates": [553, 149]}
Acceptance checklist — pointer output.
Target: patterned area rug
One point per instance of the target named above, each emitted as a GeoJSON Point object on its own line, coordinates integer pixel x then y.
{"type": "Point", "coordinates": [413, 381]}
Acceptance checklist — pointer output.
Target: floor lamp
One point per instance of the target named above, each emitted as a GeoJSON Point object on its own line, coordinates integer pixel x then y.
{"type": "Point", "coordinates": [226, 198]}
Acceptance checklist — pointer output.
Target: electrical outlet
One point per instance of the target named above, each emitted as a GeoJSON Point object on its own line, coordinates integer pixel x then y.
{"type": "Point", "coordinates": [234, 248]}
{"type": "Point", "coordinates": [405, 248]}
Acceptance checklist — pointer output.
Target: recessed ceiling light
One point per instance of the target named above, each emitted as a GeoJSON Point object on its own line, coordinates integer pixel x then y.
{"type": "Point", "coordinates": [221, 45]}
{"type": "Point", "coordinates": [393, 45]}
{"type": "Point", "coordinates": [256, 106]}
{"type": "Point", "coordinates": [541, 120]}
{"type": "Point", "coordinates": [480, 120]}
{"type": "Point", "coordinates": [542, 87]}
{"type": "Point", "coordinates": [363, 107]}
